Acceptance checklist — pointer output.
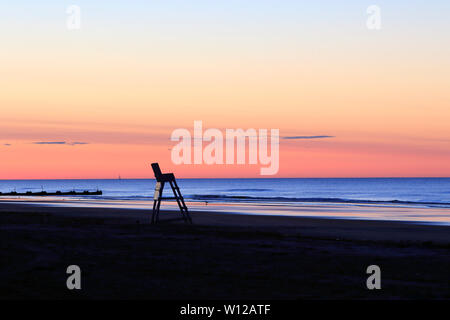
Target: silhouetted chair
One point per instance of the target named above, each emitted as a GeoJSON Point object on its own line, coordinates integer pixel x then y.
{"type": "Point", "coordinates": [161, 179]}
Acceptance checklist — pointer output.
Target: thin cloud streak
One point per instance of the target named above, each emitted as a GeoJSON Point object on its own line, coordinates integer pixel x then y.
{"type": "Point", "coordinates": [306, 137]}
{"type": "Point", "coordinates": [77, 143]}
{"type": "Point", "coordinates": [59, 143]}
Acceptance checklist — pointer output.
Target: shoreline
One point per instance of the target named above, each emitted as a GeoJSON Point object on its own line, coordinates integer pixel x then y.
{"type": "Point", "coordinates": [331, 211]}
{"type": "Point", "coordinates": [329, 227]}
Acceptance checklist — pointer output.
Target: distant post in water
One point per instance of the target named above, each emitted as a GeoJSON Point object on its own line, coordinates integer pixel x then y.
{"type": "Point", "coordinates": [161, 179]}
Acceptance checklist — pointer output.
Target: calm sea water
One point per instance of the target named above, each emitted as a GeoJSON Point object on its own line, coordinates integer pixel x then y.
{"type": "Point", "coordinates": [428, 192]}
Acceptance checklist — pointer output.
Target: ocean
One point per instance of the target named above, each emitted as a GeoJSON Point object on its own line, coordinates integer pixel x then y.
{"type": "Point", "coordinates": [278, 196]}
{"type": "Point", "coordinates": [408, 191]}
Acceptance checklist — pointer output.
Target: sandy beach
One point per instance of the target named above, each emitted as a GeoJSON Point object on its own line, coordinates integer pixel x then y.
{"type": "Point", "coordinates": [220, 256]}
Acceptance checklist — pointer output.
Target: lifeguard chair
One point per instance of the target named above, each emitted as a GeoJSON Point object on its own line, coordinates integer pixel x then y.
{"type": "Point", "coordinates": [161, 179]}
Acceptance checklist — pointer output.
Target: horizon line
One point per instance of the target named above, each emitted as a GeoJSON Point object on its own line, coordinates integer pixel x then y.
{"type": "Point", "coordinates": [262, 178]}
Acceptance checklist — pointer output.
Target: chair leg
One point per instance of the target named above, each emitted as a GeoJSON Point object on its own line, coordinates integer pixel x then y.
{"type": "Point", "coordinates": [180, 201]}
{"type": "Point", "coordinates": [183, 204]}
{"type": "Point", "coordinates": [173, 184]}
{"type": "Point", "coordinates": [158, 204]}
{"type": "Point", "coordinates": [188, 215]}
{"type": "Point", "coordinates": [154, 211]}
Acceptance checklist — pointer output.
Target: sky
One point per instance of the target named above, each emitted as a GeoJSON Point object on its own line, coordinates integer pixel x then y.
{"type": "Point", "coordinates": [102, 100]}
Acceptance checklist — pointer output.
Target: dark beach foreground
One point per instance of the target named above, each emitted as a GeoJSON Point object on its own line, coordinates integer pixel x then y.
{"type": "Point", "coordinates": [220, 256]}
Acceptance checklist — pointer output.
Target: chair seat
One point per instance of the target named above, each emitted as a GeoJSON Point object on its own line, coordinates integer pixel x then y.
{"type": "Point", "coordinates": [166, 177]}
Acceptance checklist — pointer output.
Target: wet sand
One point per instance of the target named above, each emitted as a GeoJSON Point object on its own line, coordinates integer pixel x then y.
{"type": "Point", "coordinates": [220, 256]}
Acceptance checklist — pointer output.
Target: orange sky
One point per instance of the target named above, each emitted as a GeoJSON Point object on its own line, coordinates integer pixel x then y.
{"type": "Point", "coordinates": [123, 88]}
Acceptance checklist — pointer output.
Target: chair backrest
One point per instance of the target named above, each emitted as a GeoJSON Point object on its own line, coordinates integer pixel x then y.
{"type": "Point", "coordinates": [157, 171]}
